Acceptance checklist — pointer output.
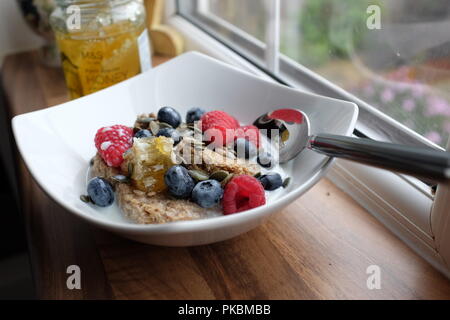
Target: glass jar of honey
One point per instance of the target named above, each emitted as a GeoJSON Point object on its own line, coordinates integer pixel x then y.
{"type": "Point", "coordinates": [102, 42]}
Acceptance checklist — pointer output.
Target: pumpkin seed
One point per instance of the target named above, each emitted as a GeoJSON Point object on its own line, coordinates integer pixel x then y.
{"type": "Point", "coordinates": [154, 127]}
{"type": "Point", "coordinates": [198, 175]}
{"type": "Point", "coordinates": [145, 120]}
{"type": "Point", "coordinates": [164, 125]}
{"type": "Point", "coordinates": [194, 128]}
{"type": "Point", "coordinates": [227, 179]}
{"type": "Point", "coordinates": [257, 175]}
{"type": "Point", "coordinates": [85, 198]}
{"type": "Point", "coordinates": [286, 182]}
{"type": "Point", "coordinates": [219, 175]}
{"type": "Point", "coordinates": [130, 169]}
{"type": "Point", "coordinates": [186, 133]}
{"type": "Point", "coordinates": [120, 179]}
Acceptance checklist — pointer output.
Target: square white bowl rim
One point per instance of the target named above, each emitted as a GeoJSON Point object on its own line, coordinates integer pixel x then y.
{"type": "Point", "coordinates": [179, 226]}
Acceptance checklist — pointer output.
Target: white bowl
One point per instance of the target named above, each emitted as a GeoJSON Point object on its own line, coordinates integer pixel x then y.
{"type": "Point", "coordinates": [57, 143]}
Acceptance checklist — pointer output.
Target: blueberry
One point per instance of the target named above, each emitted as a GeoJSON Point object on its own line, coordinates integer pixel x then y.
{"type": "Point", "coordinates": [144, 133]}
{"type": "Point", "coordinates": [179, 182]}
{"type": "Point", "coordinates": [265, 160]}
{"type": "Point", "coordinates": [194, 115]}
{"type": "Point", "coordinates": [169, 133]}
{"type": "Point", "coordinates": [207, 193]}
{"type": "Point", "coordinates": [170, 116]}
{"type": "Point", "coordinates": [101, 192]}
{"type": "Point", "coordinates": [244, 148]}
{"type": "Point", "coordinates": [271, 181]}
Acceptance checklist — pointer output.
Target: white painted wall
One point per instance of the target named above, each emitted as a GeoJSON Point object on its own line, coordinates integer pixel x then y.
{"type": "Point", "coordinates": [15, 35]}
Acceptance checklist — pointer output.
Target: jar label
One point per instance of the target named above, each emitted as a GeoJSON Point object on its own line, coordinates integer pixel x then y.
{"type": "Point", "coordinates": [144, 51]}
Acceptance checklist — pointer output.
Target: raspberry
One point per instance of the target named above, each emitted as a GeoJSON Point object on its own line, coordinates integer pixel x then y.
{"type": "Point", "coordinates": [218, 118]}
{"type": "Point", "coordinates": [251, 133]}
{"type": "Point", "coordinates": [288, 115]}
{"type": "Point", "coordinates": [220, 127]}
{"type": "Point", "coordinates": [243, 193]}
{"type": "Point", "coordinates": [219, 136]}
{"type": "Point", "coordinates": [112, 142]}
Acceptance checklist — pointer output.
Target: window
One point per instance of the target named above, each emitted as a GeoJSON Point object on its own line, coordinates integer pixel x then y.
{"type": "Point", "coordinates": [248, 16]}
{"type": "Point", "coordinates": [240, 24]}
{"type": "Point", "coordinates": [399, 76]}
{"type": "Point", "coordinates": [402, 69]}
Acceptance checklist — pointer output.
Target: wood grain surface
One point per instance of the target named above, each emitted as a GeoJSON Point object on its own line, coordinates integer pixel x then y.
{"type": "Point", "coordinates": [56, 239]}
{"type": "Point", "coordinates": [317, 248]}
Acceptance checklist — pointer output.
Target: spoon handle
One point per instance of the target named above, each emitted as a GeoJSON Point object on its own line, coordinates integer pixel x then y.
{"type": "Point", "coordinates": [416, 161]}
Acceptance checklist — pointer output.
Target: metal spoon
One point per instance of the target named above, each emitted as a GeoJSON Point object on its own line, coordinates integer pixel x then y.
{"type": "Point", "coordinates": [292, 127]}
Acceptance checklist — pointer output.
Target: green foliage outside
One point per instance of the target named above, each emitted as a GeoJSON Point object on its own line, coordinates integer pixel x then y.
{"type": "Point", "coordinates": [331, 29]}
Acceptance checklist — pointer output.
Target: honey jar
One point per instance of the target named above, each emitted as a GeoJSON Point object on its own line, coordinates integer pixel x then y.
{"type": "Point", "coordinates": [102, 42]}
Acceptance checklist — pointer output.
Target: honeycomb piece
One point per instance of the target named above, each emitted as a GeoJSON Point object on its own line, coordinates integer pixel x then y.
{"type": "Point", "coordinates": [148, 161]}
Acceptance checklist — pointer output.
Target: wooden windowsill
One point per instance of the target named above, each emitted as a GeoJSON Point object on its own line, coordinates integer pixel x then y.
{"type": "Point", "coordinates": [319, 247]}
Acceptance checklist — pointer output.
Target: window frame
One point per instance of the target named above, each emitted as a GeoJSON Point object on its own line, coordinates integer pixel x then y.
{"type": "Point", "coordinates": [372, 123]}
{"type": "Point", "coordinates": [407, 218]}
{"type": "Point", "coordinates": [295, 74]}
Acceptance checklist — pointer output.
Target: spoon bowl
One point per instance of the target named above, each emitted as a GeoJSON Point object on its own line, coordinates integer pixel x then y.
{"type": "Point", "coordinates": [290, 129]}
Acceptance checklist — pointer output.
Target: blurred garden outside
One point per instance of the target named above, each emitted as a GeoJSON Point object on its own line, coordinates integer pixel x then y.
{"type": "Point", "coordinates": [402, 69]}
